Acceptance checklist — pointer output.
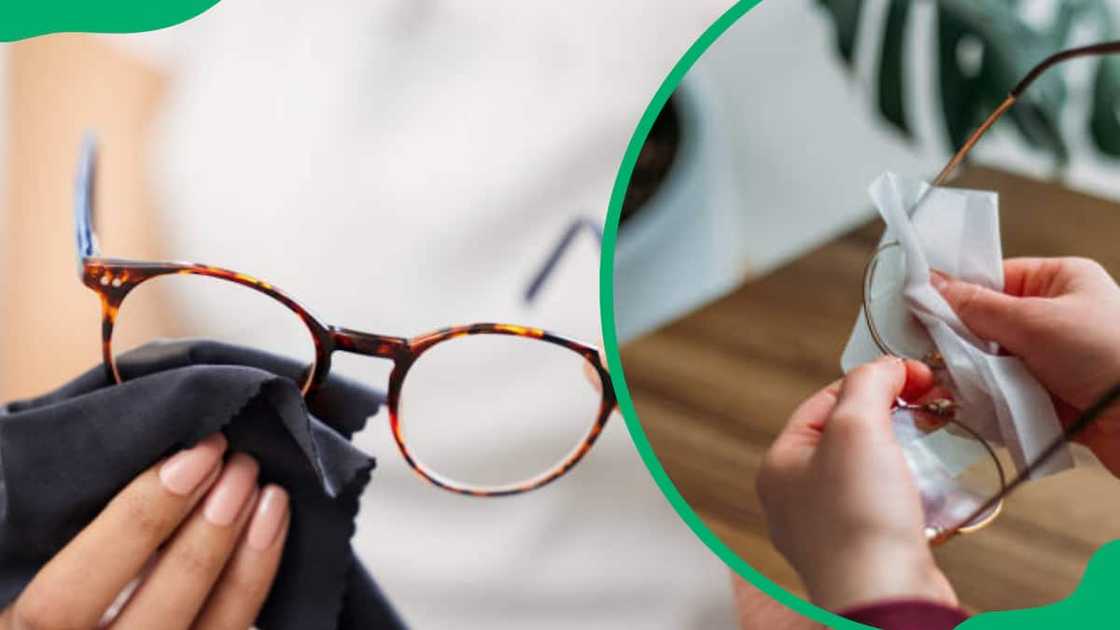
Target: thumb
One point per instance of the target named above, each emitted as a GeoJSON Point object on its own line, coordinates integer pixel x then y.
{"type": "Point", "coordinates": [990, 315]}
{"type": "Point", "coordinates": [866, 396]}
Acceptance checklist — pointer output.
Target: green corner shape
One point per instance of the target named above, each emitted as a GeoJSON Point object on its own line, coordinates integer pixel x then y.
{"type": "Point", "coordinates": [20, 19]}
{"type": "Point", "coordinates": [1091, 605]}
{"type": "Point", "coordinates": [1088, 607]}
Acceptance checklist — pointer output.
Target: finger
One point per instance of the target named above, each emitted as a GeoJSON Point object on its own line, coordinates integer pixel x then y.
{"type": "Point", "coordinates": [236, 600]}
{"type": "Point", "coordinates": [1052, 277]}
{"type": "Point", "coordinates": [177, 586]}
{"type": "Point", "coordinates": [812, 412]}
{"type": "Point", "coordinates": [809, 419]}
{"type": "Point", "coordinates": [866, 396]}
{"type": "Point", "coordinates": [796, 443]}
{"type": "Point", "coordinates": [990, 315]}
{"type": "Point", "coordinates": [919, 380]}
{"type": "Point", "coordinates": [79, 583]}
{"type": "Point", "coordinates": [1029, 277]}
{"type": "Point", "coordinates": [802, 431]}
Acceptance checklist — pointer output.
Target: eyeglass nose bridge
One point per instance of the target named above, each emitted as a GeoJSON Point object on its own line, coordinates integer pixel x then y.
{"type": "Point", "coordinates": [368, 344]}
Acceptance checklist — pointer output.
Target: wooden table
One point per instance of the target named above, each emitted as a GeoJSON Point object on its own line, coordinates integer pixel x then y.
{"type": "Point", "coordinates": [713, 388]}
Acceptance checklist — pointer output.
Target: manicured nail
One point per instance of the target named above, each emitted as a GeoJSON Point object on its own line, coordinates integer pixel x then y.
{"type": "Point", "coordinates": [272, 510]}
{"type": "Point", "coordinates": [184, 470]}
{"type": "Point", "coordinates": [232, 491]}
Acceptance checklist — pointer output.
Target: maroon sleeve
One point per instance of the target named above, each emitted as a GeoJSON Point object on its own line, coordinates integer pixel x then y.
{"type": "Point", "coordinates": [907, 614]}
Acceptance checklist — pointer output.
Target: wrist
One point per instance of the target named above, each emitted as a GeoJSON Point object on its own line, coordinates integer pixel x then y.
{"type": "Point", "coordinates": [862, 575]}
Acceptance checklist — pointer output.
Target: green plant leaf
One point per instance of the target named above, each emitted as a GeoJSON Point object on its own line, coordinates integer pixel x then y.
{"type": "Point", "coordinates": [845, 15]}
{"type": "Point", "coordinates": [1104, 121]}
{"type": "Point", "coordinates": [891, 81]}
{"type": "Point", "coordinates": [960, 94]}
{"type": "Point", "coordinates": [1009, 49]}
{"type": "Point", "coordinates": [984, 47]}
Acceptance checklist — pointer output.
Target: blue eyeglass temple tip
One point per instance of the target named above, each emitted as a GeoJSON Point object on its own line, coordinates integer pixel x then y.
{"type": "Point", "coordinates": [557, 252]}
{"type": "Point", "coordinates": [83, 199]}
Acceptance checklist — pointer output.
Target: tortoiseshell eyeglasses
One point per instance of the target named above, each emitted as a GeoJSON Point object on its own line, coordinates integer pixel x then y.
{"type": "Point", "coordinates": [482, 410]}
{"type": "Point", "coordinates": [959, 473]}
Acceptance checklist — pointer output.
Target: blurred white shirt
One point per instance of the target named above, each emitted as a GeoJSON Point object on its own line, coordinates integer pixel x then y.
{"type": "Point", "coordinates": [404, 165]}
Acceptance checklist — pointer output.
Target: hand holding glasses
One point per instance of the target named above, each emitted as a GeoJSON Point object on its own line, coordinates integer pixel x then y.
{"type": "Point", "coordinates": [963, 483]}
{"type": "Point", "coordinates": [458, 398]}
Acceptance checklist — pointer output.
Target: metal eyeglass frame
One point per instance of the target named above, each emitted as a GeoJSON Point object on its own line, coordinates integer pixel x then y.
{"type": "Point", "coordinates": [995, 503]}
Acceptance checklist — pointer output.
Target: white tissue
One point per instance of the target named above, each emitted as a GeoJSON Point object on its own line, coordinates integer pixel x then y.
{"type": "Point", "coordinates": [957, 231]}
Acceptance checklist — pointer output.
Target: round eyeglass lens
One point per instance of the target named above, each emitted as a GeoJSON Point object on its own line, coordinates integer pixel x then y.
{"type": "Point", "coordinates": [494, 412]}
{"type": "Point", "coordinates": [955, 469]}
{"type": "Point", "coordinates": [895, 330]}
{"type": "Point", "coordinates": [177, 307]}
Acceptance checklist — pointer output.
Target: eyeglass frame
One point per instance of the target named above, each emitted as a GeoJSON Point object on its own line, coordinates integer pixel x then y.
{"type": "Point", "coordinates": [113, 279]}
{"type": "Point", "coordinates": [548, 266]}
{"type": "Point", "coordinates": [995, 503]}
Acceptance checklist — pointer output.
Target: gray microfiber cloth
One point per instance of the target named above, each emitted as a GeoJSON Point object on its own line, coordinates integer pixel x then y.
{"type": "Point", "coordinates": [64, 455]}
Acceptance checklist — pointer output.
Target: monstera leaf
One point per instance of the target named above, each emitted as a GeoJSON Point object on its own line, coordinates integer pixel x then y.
{"type": "Point", "coordinates": [983, 48]}
{"type": "Point", "coordinates": [1104, 121]}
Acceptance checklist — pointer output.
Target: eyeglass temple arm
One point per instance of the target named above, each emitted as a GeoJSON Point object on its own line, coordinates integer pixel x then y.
{"type": "Point", "coordinates": [1103, 48]}
{"type": "Point", "coordinates": [558, 251]}
{"type": "Point", "coordinates": [1099, 407]}
{"type": "Point", "coordinates": [86, 240]}
{"type": "Point", "coordinates": [1109, 398]}
{"type": "Point", "coordinates": [1072, 431]}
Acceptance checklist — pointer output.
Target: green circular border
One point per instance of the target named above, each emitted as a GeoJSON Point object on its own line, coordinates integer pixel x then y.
{"type": "Point", "coordinates": [610, 337]}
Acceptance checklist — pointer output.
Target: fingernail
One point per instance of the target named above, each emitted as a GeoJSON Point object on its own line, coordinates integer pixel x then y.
{"type": "Point", "coordinates": [229, 495]}
{"type": "Point", "coordinates": [272, 510]}
{"type": "Point", "coordinates": [938, 279]}
{"type": "Point", "coordinates": [182, 473]}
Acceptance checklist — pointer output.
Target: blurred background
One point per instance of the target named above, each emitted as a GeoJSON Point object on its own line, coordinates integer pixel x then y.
{"type": "Point", "coordinates": [784, 131]}
{"type": "Point", "coordinates": [397, 166]}
{"type": "Point", "coordinates": [738, 280]}
{"type": "Point", "coordinates": [402, 166]}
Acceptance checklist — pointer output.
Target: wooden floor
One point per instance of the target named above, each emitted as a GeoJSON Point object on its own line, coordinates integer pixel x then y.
{"type": "Point", "coordinates": [713, 388]}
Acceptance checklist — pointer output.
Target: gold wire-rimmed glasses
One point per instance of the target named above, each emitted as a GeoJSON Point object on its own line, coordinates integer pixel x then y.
{"type": "Point", "coordinates": [973, 499]}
